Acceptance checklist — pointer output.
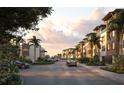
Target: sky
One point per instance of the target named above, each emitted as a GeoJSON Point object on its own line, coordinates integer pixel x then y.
{"type": "Point", "coordinates": [67, 26]}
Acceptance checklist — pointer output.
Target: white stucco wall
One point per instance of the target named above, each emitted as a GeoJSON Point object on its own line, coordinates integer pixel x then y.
{"type": "Point", "coordinates": [104, 42]}
{"type": "Point", "coordinates": [38, 52]}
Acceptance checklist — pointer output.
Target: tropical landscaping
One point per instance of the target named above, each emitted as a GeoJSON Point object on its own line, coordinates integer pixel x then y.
{"type": "Point", "coordinates": [104, 46]}
{"type": "Point", "coordinates": [15, 22]}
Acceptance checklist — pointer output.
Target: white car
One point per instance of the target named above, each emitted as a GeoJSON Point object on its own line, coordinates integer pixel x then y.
{"type": "Point", "coordinates": [71, 63]}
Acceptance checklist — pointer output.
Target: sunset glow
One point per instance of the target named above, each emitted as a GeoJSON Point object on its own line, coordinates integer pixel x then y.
{"type": "Point", "coordinates": [67, 26]}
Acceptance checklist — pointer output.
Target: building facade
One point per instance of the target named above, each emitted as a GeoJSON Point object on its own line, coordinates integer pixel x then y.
{"type": "Point", "coordinates": [27, 51]}
{"type": "Point", "coordinates": [114, 39]}
{"type": "Point", "coordinates": [102, 33]}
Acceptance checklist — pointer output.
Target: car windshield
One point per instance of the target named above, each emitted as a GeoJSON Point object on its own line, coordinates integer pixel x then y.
{"type": "Point", "coordinates": [72, 60]}
{"type": "Point", "coordinates": [18, 62]}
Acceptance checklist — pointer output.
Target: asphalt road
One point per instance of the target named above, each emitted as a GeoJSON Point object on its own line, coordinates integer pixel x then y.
{"type": "Point", "coordinates": [60, 74]}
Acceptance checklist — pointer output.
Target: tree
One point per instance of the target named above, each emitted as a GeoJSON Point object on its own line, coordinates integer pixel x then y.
{"type": "Point", "coordinates": [94, 41]}
{"type": "Point", "coordinates": [77, 50]}
{"type": "Point", "coordinates": [35, 42]}
{"type": "Point", "coordinates": [117, 24]}
{"type": "Point", "coordinates": [81, 43]}
{"type": "Point", "coordinates": [17, 19]}
{"type": "Point", "coordinates": [17, 40]}
{"type": "Point", "coordinates": [14, 20]}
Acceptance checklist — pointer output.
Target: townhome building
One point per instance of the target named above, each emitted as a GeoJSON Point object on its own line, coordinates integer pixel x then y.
{"type": "Point", "coordinates": [101, 31]}
{"type": "Point", "coordinates": [90, 49]}
{"type": "Point", "coordinates": [77, 51]}
{"type": "Point", "coordinates": [71, 53]}
{"type": "Point", "coordinates": [64, 54]}
{"type": "Point", "coordinates": [24, 50]}
{"type": "Point", "coordinates": [81, 44]}
{"type": "Point", "coordinates": [114, 40]}
{"type": "Point", "coordinates": [68, 53]}
{"type": "Point", "coordinates": [85, 52]}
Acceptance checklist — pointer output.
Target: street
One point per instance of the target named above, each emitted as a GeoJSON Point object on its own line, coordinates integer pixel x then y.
{"type": "Point", "coordinates": [60, 74]}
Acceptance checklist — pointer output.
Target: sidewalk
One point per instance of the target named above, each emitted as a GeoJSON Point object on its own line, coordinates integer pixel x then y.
{"type": "Point", "coordinates": [107, 74]}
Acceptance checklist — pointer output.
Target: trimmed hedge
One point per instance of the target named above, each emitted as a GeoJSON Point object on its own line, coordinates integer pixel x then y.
{"type": "Point", "coordinates": [44, 61]}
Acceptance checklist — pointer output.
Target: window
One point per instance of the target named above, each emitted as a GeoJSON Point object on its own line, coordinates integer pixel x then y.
{"type": "Point", "coordinates": [113, 33]}
{"type": "Point", "coordinates": [123, 36]}
{"type": "Point", "coordinates": [108, 47]}
{"type": "Point", "coordinates": [113, 45]}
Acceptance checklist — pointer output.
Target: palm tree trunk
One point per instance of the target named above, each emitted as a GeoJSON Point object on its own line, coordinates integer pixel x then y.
{"type": "Point", "coordinates": [82, 51]}
{"type": "Point", "coordinates": [34, 53]}
{"type": "Point", "coordinates": [118, 42]}
{"type": "Point", "coordinates": [121, 43]}
{"type": "Point", "coordinates": [91, 51]}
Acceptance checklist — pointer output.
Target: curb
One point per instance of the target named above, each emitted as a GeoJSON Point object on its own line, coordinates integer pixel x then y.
{"type": "Point", "coordinates": [107, 74]}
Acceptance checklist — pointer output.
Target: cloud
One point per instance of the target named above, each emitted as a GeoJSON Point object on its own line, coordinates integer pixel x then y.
{"type": "Point", "coordinates": [60, 33]}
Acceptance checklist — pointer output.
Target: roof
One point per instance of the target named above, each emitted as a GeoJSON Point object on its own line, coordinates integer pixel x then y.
{"type": "Point", "coordinates": [84, 39]}
{"type": "Point", "coordinates": [81, 42]}
{"type": "Point", "coordinates": [109, 15]}
{"type": "Point", "coordinates": [43, 51]}
{"type": "Point", "coordinates": [67, 49]}
{"type": "Point", "coordinates": [100, 26]}
{"type": "Point", "coordinates": [96, 28]}
{"type": "Point", "coordinates": [64, 50]}
{"type": "Point", "coordinates": [90, 34]}
{"type": "Point", "coordinates": [70, 48]}
{"type": "Point", "coordinates": [117, 10]}
{"type": "Point", "coordinates": [77, 46]}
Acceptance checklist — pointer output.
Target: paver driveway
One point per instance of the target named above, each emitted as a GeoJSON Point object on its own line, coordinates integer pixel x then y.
{"type": "Point", "coordinates": [60, 74]}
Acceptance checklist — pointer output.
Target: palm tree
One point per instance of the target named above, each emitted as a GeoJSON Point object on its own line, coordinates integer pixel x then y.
{"type": "Point", "coordinates": [18, 40]}
{"type": "Point", "coordinates": [73, 53]}
{"type": "Point", "coordinates": [77, 50]}
{"type": "Point", "coordinates": [117, 24]}
{"type": "Point", "coordinates": [69, 54]}
{"type": "Point", "coordinates": [81, 44]}
{"type": "Point", "coordinates": [35, 42]}
{"type": "Point", "coordinates": [94, 41]}
{"type": "Point", "coordinates": [64, 55]}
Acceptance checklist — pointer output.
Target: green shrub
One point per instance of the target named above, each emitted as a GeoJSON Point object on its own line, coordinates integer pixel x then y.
{"type": "Point", "coordinates": [95, 61]}
{"type": "Point", "coordinates": [9, 72]}
{"type": "Point", "coordinates": [118, 64]}
{"type": "Point", "coordinates": [43, 61]}
{"type": "Point", "coordinates": [8, 69]}
{"type": "Point", "coordinates": [13, 79]}
{"type": "Point", "coordinates": [83, 60]}
{"type": "Point", "coordinates": [91, 62]}
{"type": "Point", "coordinates": [24, 59]}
